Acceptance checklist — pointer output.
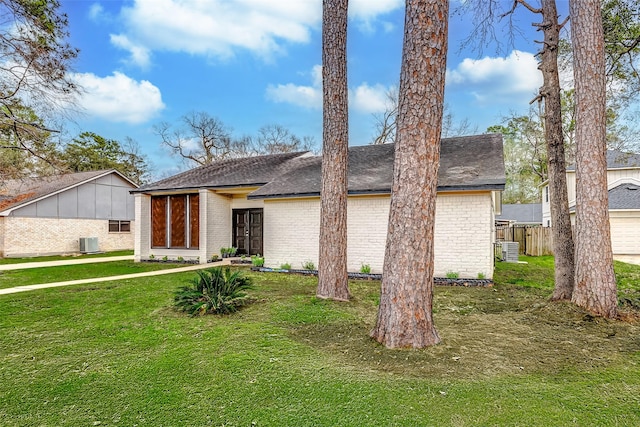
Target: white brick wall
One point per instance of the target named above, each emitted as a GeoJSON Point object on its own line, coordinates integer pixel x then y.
{"type": "Point", "coordinates": [46, 236]}
{"type": "Point", "coordinates": [291, 230]}
{"type": "Point", "coordinates": [219, 223]}
{"type": "Point", "coordinates": [463, 233]}
{"type": "Point", "coordinates": [142, 230]}
{"type": "Point", "coordinates": [1, 236]}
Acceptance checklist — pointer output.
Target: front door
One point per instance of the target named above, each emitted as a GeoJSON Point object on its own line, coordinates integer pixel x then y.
{"type": "Point", "coordinates": [247, 231]}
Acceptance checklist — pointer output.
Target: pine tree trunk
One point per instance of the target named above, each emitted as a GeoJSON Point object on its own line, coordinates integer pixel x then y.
{"type": "Point", "coordinates": [563, 248]}
{"type": "Point", "coordinates": [405, 312]}
{"type": "Point", "coordinates": [332, 264]}
{"type": "Point", "coordinates": [595, 287]}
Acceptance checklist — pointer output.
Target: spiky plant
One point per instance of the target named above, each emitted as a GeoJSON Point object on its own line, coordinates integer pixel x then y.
{"type": "Point", "coordinates": [216, 290]}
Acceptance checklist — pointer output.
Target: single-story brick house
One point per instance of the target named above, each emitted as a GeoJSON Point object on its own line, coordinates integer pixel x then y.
{"type": "Point", "coordinates": [46, 216]}
{"type": "Point", "coordinates": [271, 205]}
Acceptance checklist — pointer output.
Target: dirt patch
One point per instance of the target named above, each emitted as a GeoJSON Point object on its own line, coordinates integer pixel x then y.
{"type": "Point", "coordinates": [485, 332]}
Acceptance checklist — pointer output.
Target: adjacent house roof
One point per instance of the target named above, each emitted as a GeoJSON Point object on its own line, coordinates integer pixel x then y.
{"type": "Point", "coordinates": [618, 160]}
{"type": "Point", "coordinates": [19, 192]}
{"type": "Point", "coordinates": [624, 196]}
{"type": "Point", "coordinates": [522, 213]}
{"type": "Point", "coordinates": [466, 163]}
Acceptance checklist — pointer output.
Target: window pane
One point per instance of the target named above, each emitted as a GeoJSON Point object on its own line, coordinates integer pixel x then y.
{"type": "Point", "coordinates": [113, 226]}
{"type": "Point", "coordinates": [125, 226]}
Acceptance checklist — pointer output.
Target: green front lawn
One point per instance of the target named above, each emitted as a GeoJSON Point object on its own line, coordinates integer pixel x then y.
{"type": "Point", "coordinates": [34, 276]}
{"type": "Point", "coordinates": [116, 353]}
{"type": "Point", "coordinates": [63, 257]}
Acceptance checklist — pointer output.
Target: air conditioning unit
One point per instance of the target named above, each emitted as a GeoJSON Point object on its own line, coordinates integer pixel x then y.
{"type": "Point", "coordinates": [510, 251]}
{"type": "Point", "coordinates": [88, 244]}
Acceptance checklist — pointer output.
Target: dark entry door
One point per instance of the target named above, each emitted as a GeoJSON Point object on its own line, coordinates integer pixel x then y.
{"type": "Point", "coordinates": [247, 231]}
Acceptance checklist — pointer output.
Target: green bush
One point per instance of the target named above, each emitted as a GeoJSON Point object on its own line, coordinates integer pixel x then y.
{"type": "Point", "coordinates": [365, 269]}
{"type": "Point", "coordinates": [216, 290]}
{"type": "Point", "coordinates": [285, 266]}
{"type": "Point", "coordinates": [308, 265]}
{"type": "Point", "coordinates": [452, 275]}
{"type": "Point", "coordinates": [257, 260]}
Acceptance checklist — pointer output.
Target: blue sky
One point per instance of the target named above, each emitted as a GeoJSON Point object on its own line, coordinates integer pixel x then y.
{"type": "Point", "coordinates": [256, 62]}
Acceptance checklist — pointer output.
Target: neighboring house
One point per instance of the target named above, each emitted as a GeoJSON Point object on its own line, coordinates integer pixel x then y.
{"type": "Point", "coordinates": [271, 205]}
{"type": "Point", "coordinates": [623, 179]}
{"type": "Point", "coordinates": [520, 214]}
{"type": "Point", "coordinates": [49, 215]}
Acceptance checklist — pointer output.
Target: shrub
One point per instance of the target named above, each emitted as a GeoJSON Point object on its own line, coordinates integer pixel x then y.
{"type": "Point", "coordinates": [216, 290]}
{"type": "Point", "coordinates": [452, 274]}
{"type": "Point", "coordinates": [365, 269]}
{"type": "Point", "coordinates": [481, 276]}
{"type": "Point", "coordinates": [232, 251]}
{"type": "Point", "coordinates": [308, 265]}
{"type": "Point", "coordinates": [257, 260]}
{"type": "Point", "coordinates": [285, 266]}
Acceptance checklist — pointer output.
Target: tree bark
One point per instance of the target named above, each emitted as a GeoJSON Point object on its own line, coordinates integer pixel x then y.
{"type": "Point", "coordinates": [332, 265]}
{"type": "Point", "coordinates": [563, 248]}
{"type": "Point", "coordinates": [595, 287]}
{"type": "Point", "coordinates": [405, 312]}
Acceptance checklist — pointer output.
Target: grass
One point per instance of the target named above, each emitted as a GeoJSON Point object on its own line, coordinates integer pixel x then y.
{"type": "Point", "coordinates": [34, 276]}
{"type": "Point", "coordinates": [63, 257]}
{"type": "Point", "coordinates": [116, 354]}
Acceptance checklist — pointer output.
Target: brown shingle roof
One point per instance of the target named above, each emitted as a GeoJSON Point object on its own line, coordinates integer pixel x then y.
{"type": "Point", "coordinates": [466, 163]}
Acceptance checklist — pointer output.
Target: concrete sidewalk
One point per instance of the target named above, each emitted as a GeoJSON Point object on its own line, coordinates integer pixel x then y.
{"type": "Point", "coordinates": [26, 288]}
{"type": "Point", "coordinates": [40, 264]}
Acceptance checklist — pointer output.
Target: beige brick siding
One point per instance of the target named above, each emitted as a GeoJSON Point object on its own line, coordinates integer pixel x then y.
{"type": "Point", "coordinates": [463, 233]}
{"type": "Point", "coordinates": [45, 236]}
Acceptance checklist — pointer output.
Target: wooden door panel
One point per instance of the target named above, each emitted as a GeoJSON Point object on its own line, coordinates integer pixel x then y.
{"type": "Point", "coordinates": [178, 206]}
{"type": "Point", "coordinates": [158, 222]}
{"type": "Point", "coordinates": [194, 221]}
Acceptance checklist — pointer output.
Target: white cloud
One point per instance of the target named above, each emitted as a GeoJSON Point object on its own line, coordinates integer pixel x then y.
{"type": "Point", "coordinates": [492, 78]}
{"type": "Point", "coordinates": [366, 13]}
{"type": "Point", "coordinates": [140, 55]}
{"type": "Point", "coordinates": [370, 99]}
{"type": "Point", "coordinates": [220, 28]}
{"type": "Point", "coordinates": [119, 98]}
{"type": "Point", "coordinates": [95, 11]}
{"type": "Point", "coordinates": [300, 95]}
{"type": "Point", "coordinates": [363, 98]}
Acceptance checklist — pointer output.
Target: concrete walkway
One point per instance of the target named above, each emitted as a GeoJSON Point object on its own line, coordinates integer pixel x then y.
{"type": "Point", "coordinates": [26, 288]}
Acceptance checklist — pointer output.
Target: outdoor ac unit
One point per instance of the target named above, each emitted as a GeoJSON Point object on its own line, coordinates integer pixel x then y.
{"type": "Point", "coordinates": [88, 244]}
{"type": "Point", "coordinates": [510, 251]}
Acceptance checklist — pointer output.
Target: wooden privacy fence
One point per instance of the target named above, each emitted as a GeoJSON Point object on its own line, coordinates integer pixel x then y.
{"type": "Point", "coordinates": [533, 241]}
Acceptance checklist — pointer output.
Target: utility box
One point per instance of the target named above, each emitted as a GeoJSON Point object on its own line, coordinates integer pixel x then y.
{"type": "Point", "coordinates": [510, 251]}
{"type": "Point", "coordinates": [88, 245]}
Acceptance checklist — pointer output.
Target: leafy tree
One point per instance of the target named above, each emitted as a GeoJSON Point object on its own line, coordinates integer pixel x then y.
{"type": "Point", "coordinates": [26, 151]}
{"type": "Point", "coordinates": [405, 316]}
{"type": "Point", "coordinates": [333, 281]}
{"type": "Point", "coordinates": [89, 151]}
{"type": "Point", "coordinates": [34, 70]}
{"type": "Point", "coordinates": [525, 158]}
{"type": "Point", "coordinates": [595, 282]}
